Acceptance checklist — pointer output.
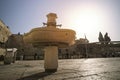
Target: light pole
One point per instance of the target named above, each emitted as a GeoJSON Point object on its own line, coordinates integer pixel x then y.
{"type": "Point", "coordinates": [86, 48]}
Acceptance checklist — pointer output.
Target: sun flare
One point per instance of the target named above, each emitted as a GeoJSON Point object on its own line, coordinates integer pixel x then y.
{"type": "Point", "coordinates": [85, 22]}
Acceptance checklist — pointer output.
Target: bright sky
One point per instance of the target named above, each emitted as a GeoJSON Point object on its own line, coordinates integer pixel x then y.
{"type": "Point", "coordinates": [86, 17]}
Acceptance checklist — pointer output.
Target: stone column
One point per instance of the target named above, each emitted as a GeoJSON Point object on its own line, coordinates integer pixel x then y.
{"type": "Point", "coordinates": [51, 19]}
{"type": "Point", "coordinates": [51, 58]}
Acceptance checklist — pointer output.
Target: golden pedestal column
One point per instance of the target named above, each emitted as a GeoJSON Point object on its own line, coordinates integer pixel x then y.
{"type": "Point", "coordinates": [51, 58]}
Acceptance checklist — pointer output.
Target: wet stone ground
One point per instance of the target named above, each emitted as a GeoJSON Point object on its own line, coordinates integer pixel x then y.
{"type": "Point", "coordinates": [69, 69]}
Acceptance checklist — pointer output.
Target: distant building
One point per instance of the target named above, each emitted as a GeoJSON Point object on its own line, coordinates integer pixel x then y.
{"type": "Point", "coordinates": [71, 51]}
{"type": "Point", "coordinates": [27, 51]}
{"type": "Point", "coordinates": [82, 41]}
{"type": "Point", "coordinates": [78, 50]}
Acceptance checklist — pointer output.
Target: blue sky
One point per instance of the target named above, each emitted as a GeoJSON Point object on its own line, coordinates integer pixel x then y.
{"type": "Point", "coordinates": [87, 17]}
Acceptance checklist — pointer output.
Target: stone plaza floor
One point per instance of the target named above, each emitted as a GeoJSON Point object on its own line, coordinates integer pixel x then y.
{"type": "Point", "coordinates": [69, 69]}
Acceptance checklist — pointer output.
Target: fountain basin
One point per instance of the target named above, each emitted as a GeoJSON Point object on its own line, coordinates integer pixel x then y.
{"type": "Point", "coordinates": [50, 36]}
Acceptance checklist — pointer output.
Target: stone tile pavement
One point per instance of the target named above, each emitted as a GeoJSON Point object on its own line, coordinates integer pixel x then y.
{"type": "Point", "coordinates": [69, 69]}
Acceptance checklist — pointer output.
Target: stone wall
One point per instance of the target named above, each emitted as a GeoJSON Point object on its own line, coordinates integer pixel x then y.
{"type": "Point", "coordinates": [4, 34]}
{"type": "Point", "coordinates": [24, 49]}
{"type": "Point", "coordinates": [2, 51]}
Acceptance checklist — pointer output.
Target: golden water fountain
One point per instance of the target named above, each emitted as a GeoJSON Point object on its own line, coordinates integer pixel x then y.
{"type": "Point", "coordinates": [50, 37]}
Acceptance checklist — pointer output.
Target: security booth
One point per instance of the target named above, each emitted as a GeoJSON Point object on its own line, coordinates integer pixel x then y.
{"type": "Point", "coordinates": [10, 55]}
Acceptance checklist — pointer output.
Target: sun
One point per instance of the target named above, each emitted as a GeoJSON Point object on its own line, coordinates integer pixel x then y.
{"type": "Point", "coordinates": [87, 21]}
{"type": "Point", "coordinates": [84, 22]}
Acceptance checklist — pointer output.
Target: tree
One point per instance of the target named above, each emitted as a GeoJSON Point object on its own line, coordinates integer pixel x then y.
{"type": "Point", "coordinates": [107, 38]}
{"type": "Point", "coordinates": [100, 38]}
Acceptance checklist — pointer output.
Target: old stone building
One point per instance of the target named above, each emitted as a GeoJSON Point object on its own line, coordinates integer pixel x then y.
{"type": "Point", "coordinates": [72, 51]}
{"type": "Point", "coordinates": [4, 34]}
{"type": "Point", "coordinates": [81, 49]}
{"type": "Point", "coordinates": [95, 50]}
{"type": "Point", "coordinates": [27, 51]}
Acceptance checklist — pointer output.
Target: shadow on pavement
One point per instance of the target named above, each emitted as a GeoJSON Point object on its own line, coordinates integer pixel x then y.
{"type": "Point", "coordinates": [36, 76]}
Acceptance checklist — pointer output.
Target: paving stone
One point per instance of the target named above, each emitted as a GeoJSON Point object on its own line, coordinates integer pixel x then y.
{"type": "Point", "coordinates": [69, 69]}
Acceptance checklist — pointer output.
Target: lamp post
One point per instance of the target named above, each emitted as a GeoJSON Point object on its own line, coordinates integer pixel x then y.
{"type": "Point", "coordinates": [86, 48]}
